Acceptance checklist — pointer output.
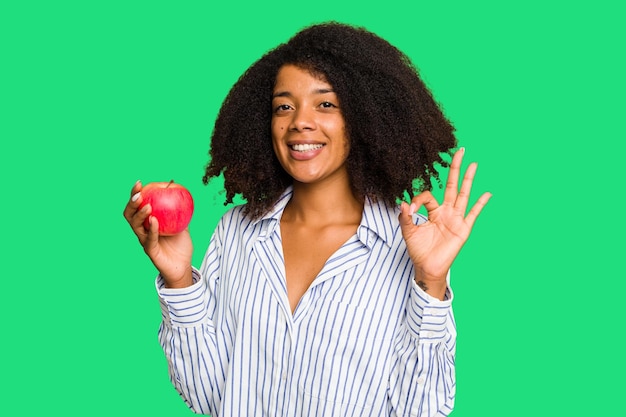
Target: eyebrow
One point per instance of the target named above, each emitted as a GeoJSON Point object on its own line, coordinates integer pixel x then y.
{"type": "Point", "coordinates": [288, 94]}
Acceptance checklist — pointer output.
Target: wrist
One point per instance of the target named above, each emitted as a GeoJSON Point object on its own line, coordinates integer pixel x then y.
{"type": "Point", "coordinates": [434, 285]}
{"type": "Point", "coordinates": [181, 280]}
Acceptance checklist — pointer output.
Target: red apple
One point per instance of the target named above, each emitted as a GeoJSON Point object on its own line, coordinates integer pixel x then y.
{"type": "Point", "coordinates": [172, 205]}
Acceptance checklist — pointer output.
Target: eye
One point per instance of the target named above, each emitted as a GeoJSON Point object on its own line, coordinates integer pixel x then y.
{"type": "Point", "coordinates": [282, 108]}
{"type": "Point", "coordinates": [327, 105]}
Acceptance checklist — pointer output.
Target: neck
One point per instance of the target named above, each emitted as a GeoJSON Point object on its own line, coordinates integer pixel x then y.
{"type": "Point", "coordinates": [323, 204]}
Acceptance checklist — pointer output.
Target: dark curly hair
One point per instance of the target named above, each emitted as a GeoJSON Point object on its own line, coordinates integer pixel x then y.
{"type": "Point", "coordinates": [397, 132]}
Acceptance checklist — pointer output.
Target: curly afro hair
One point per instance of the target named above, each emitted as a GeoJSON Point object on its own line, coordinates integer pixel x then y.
{"type": "Point", "coordinates": [397, 132]}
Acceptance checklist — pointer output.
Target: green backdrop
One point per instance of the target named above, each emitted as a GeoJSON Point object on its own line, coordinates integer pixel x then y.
{"type": "Point", "coordinates": [96, 95]}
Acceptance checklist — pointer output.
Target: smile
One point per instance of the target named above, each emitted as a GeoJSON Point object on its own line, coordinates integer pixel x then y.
{"type": "Point", "coordinates": [308, 147]}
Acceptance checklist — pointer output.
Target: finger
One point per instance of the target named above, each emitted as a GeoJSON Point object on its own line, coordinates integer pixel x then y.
{"type": "Point", "coordinates": [462, 198]}
{"type": "Point", "coordinates": [137, 222]}
{"type": "Point", "coordinates": [136, 188]}
{"type": "Point", "coordinates": [477, 208]}
{"type": "Point", "coordinates": [135, 215]}
{"type": "Point", "coordinates": [134, 201]}
{"type": "Point", "coordinates": [406, 219]}
{"type": "Point", "coordinates": [426, 199]}
{"type": "Point", "coordinates": [452, 184]}
{"type": "Point", "coordinates": [405, 216]}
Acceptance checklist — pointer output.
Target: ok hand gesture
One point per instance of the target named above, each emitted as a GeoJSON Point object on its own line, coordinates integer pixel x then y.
{"type": "Point", "coordinates": [434, 245]}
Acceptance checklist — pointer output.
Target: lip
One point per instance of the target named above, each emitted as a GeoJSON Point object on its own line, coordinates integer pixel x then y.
{"type": "Point", "coordinates": [306, 155]}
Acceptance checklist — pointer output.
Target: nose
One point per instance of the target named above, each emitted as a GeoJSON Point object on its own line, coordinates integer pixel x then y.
{"type": "Point", "coordinates": [303, 119]}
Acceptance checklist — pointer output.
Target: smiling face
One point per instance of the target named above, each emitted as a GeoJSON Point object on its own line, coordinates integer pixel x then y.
{"type": "Point", "coordinates": [308, 128]}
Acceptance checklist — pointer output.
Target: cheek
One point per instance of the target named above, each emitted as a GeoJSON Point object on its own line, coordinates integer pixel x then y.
{"type": "Point", "coordinates": [277, 129]}
{"type": "Point", "coordinates": [346, 143]}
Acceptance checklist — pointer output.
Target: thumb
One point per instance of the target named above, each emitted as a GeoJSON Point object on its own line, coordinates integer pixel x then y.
{"type": "Point", "coordinates": [152, 240]}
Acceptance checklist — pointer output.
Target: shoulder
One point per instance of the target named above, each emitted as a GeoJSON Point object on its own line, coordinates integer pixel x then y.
{"type": "Point", "coordinates": [235, 225]}
{"type": "Point", "coordinates": [233, 219]}
{"type": "Point", "coordinates": [228, 224]}
{"type": "Point", "coordinates": [236, 221]}
{"type": "Point", "coordinates": [234, 213]}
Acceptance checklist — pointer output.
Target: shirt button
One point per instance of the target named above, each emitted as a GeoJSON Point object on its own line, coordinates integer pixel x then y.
{"type": "Point", "coordinates": [420, 381]}
{"type": "Point", "coordinates": [284, 376]}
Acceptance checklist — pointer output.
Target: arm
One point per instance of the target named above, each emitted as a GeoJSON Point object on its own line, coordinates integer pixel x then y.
{"type": "Point", "coordinates": [422, 381]}
{"type": "Point", "coordinates": [195, 354]}
{"type": "Point", "coordinates": [187, 298]}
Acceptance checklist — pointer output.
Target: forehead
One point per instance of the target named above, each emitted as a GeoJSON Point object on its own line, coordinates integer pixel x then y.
{"type": "Point", "coordinates": [290, 75]}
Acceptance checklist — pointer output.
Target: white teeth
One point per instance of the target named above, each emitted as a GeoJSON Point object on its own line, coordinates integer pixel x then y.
{"type": "Point", "coordinates": [305, 147]}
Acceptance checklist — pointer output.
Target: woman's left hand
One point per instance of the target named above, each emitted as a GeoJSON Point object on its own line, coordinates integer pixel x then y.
{"type": "Point", "coordinates": [434, 245]}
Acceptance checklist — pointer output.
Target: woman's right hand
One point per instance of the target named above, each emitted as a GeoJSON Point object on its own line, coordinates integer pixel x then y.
{"type": "Point", "coordinates": [171, 255]}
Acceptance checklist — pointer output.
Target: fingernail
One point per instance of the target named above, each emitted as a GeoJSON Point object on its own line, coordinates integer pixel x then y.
{"type": "Point", "coordinates": [462, 149]}
{"type": "Point", "coordinates": [412, 209]}
{"type": "Point", "coordinates": [135, 197]}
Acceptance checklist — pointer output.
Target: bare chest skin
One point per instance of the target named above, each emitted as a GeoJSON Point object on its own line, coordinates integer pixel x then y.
{"type": "Point", "coordinates": [306, 249]}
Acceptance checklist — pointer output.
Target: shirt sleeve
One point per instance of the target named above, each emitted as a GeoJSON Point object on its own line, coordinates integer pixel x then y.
{"type": "Point", "coordinates": [422, 381]}
{"type": "Point", "coordinates": [196, 359]}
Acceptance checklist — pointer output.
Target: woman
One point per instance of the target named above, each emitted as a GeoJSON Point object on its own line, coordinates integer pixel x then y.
{"type": "Point", "coordinates": [320, 296]}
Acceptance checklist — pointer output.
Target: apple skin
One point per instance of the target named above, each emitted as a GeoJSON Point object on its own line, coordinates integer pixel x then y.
{"type": "Point", "coordinates": [172, 205]}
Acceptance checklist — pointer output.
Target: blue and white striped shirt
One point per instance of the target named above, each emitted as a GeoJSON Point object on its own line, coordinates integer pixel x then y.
{"type": "Point", "coordinates": [364, 340]}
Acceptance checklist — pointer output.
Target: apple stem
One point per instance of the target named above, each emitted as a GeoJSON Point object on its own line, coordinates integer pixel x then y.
{"type": "Point", "coordinates": [170, 183]}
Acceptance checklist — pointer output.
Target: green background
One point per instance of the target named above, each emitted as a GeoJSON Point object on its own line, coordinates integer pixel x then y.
{"type": "Point", "coordinates": [96, 95]}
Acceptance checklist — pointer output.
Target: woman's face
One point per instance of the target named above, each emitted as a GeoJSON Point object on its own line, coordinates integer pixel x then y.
{"type": "Point", "coordinates": [308, 128]}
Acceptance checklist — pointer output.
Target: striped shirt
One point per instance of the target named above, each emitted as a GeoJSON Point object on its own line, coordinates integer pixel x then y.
{"type": "Point", "coordinates": [364, 339]}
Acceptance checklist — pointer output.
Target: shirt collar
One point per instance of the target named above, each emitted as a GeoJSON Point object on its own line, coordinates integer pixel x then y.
{"type": "Point", "coordinates": [378, 220]}
{"type": "Point", "coordinates": [277, 210]}
{"type": "Point", "coordinates": [271, 219]}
